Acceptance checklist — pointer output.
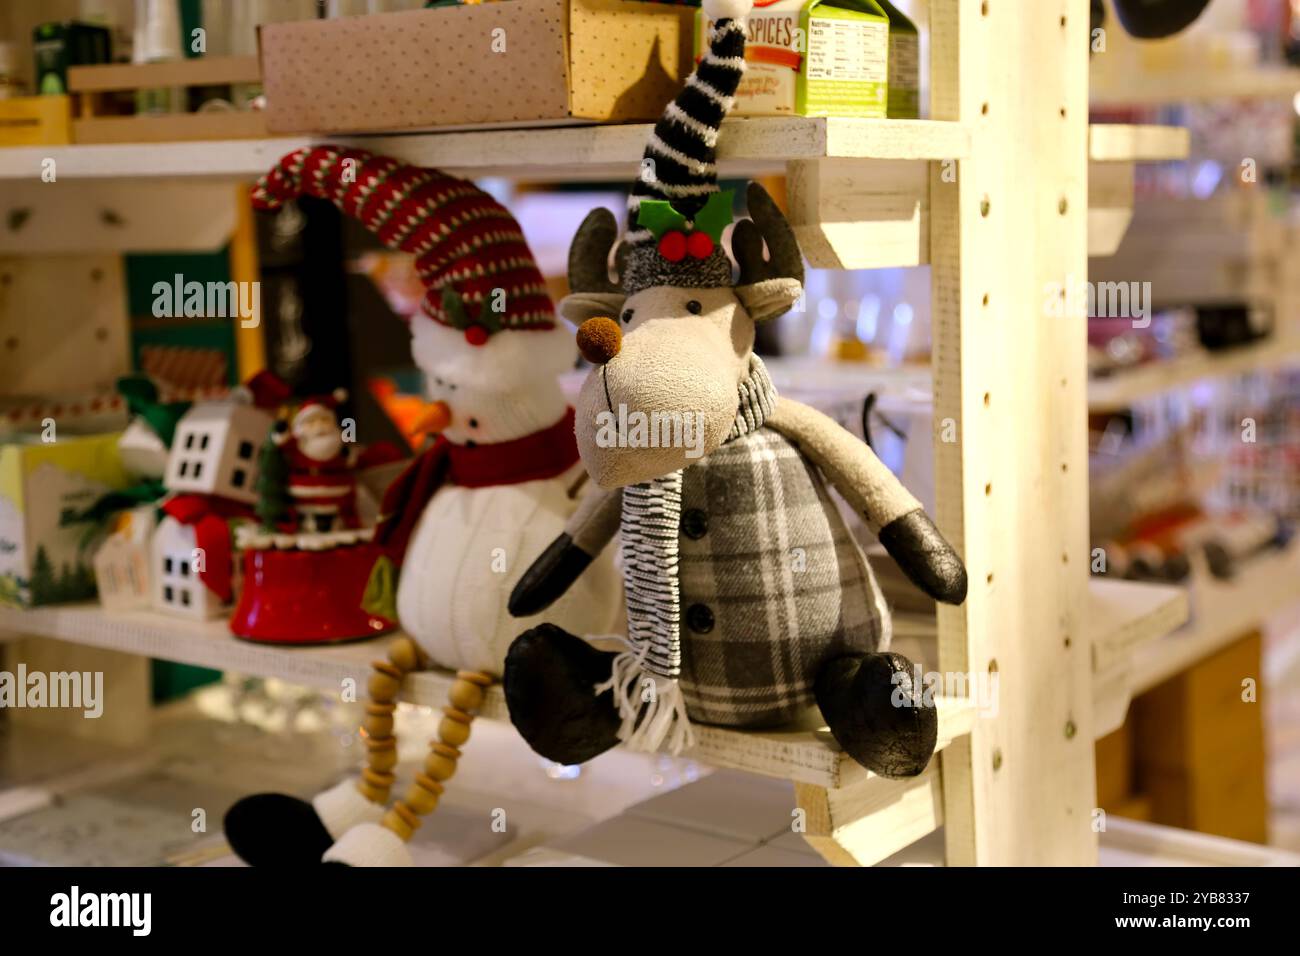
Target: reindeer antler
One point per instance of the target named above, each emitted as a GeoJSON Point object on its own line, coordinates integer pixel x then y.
{"type": "Point", "coordinates": [765, 223]}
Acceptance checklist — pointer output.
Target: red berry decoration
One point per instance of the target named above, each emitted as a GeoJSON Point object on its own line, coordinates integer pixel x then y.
{"type": "Point", "coordinates": [476, 335]}
{"type": "Point", "coordinates": [673, 246]}
{"type": "Point", "coordinates": [699, 245]}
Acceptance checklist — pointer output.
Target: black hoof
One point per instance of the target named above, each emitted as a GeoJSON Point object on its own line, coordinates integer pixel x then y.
{"type": "Point", "coordinates": [273, 829]}
{"type": "Point", "coordinates": [550, 679]}
{"type": "Point", "coordinates": [877, 713]}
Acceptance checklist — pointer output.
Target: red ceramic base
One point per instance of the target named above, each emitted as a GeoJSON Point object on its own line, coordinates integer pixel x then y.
{"type": "Point", "coordinates": [307, 597]}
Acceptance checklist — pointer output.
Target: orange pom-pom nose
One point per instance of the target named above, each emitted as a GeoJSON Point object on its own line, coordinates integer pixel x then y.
{"type": "Point", "coordinates": [599, 340]}
{"type": "Point", "coordinates": [434, 420]}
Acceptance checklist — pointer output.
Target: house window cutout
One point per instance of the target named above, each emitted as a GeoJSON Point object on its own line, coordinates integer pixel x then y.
{"type": "Point", "coordinates": [203, 443]}
{"type": "Point", "coordinates": [169, 595]}
{"type": "Point", "coordinates": [237, 478]}
{"type": "Point", "coordinates": [245, 450]}
{"type": "Point", "coordinates": [189, 441]}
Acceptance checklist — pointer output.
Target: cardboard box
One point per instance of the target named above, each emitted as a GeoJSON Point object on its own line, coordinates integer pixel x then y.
{"type": "Point", "coordinates": [43, 561]}
{"type": "Point", "coordinates": [522, 62]}
{"type": "Point", "coordinates": [36, 121]}
{"type": "Point", "coordinates": [812, 58]}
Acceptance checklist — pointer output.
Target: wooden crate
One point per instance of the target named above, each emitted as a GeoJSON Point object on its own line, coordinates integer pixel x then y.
{"type": "Point", "coordinates": [89, 83]}
{"type": "Point", "coordinates": [1199, 747]}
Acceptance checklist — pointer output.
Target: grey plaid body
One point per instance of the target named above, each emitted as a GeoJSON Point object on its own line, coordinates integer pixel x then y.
{"type": "Point", "coordinates": [772, 584]}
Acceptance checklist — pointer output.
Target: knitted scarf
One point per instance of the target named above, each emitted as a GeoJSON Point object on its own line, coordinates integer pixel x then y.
{"type": "Point", "coordinates": [644, 678]}
{"type": "Point", "coordinates": [543, 454]}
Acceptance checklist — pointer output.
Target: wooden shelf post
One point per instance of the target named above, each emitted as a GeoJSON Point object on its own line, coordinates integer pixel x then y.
{"type": "Point", "coordinates": [1008, 236]}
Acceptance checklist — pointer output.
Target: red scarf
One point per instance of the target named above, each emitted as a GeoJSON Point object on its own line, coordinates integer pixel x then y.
{"type": "Point", "coordinates": [209, 515]}
{"type": "Point", "coordinates": [543, 454]}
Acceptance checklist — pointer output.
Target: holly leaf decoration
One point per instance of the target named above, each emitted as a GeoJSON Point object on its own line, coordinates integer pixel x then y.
{"type": "Point", "coordinates": [659, 217]}
{"type": "Point", "coordinates": [454, 306]}
{"type": "Point", "coordinates": [715, 216]}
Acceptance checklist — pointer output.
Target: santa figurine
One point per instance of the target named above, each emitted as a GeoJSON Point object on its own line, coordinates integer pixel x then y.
{"type": "Point", "coordinates": [497, 484]}
{"type": "Point", "coordinates": [322, 468]}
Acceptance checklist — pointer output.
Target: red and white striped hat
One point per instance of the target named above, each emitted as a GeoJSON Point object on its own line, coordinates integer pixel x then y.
{"type": "Point", "coordinates": [480, 275]}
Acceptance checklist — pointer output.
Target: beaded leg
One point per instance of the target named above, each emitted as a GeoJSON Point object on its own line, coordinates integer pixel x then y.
{"type": "Point", "coordinates": [465, 698]}
{"type": "Point", "coordinates": [404, 656]}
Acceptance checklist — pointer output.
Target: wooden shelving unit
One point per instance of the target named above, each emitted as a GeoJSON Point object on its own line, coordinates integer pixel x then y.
{"type": "Point", "coordinates": [993, 194]}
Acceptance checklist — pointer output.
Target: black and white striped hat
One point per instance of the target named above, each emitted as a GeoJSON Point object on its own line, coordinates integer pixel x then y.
{"type": "Point", "coordinates": [680, 166]}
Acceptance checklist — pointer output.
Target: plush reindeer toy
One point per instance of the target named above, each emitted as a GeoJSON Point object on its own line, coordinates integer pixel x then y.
{"type": "Point", "coordinates": [747, 598]}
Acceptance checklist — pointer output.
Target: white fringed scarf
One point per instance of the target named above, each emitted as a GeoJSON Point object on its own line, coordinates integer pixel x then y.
{"type": "Point", "coordinates": [644, 678]}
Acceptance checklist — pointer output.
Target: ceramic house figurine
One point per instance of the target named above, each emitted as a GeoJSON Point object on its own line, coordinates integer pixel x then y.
{"type": "Point", "coordinates": [215, 450]}
{"type": "Point", "coordinates": [748, 600]}
{"type": "Point", "coordinates": [500, 480]}
{"type": "Point", "coordinates": [210, 481]}
{"type": "Point", "coordinates": [124, 562]}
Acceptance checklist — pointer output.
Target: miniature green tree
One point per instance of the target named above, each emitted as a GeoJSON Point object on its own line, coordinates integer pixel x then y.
{"type": "Point", "coordinates": [272, 485]}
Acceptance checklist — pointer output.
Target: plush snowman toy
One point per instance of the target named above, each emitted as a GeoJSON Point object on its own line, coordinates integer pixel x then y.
{"type": "Point", "coordinates": [464, 520]}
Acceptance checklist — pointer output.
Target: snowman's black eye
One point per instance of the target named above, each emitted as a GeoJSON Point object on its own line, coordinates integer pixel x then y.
{"type": "Point", "coordinates": [627, 316]}
{"type": "Point", "coordinates": [694, 307]}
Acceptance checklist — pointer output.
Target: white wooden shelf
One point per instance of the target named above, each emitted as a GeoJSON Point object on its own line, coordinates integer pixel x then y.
{"type": "Point", "coordinates": [1223, 612]}
{"type": "Point", "coordinates": [1113, 151]}
{"type": "Point", "coordinates": [746, 147]}
{"type": "Point", "coordinates": [1128, 143]}
{"type": "Point", "coordinates": [1193, 86]}
{"type": "Point", "coordinates": [805, 755]}
{"type": "Point", "coordinates": [1122, 388]}
{"type": "Point", "coordinates": [1121, 616]}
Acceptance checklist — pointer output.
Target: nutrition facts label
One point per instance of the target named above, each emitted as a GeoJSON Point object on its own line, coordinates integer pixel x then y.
{"type": "Point", "coordinates": [854, 50]}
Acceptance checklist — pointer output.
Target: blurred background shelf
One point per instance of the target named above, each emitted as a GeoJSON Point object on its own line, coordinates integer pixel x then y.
{"type": "Point", "coordinates": [1190, 86]}
{"type": "Point", "coordinates": [1121, 389]}
{"type": "Point", "coordinates": [1223, 613]}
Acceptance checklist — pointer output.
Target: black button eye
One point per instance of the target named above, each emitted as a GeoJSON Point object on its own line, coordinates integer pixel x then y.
{"type": "Point", "coordinates": [473, 423]}
{"type": "Point", "coordinates": [627, 316]}
{"type": "Point", "coordinates": [694, 307]}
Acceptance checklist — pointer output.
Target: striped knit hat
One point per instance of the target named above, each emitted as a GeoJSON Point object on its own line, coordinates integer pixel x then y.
{"type": "Point", "coordinates": [676, 214]}
{"type": "Point", "coordinates": [480, 275]}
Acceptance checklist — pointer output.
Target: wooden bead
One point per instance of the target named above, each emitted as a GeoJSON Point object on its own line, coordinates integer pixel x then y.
{"type": "Point", "coordinates": [383, 687]}
{"type": "Point", "coordinates": [399, 824]}
{"type": "Point", "coordinates": [378, 778]}
{"type": "Point", "coordinates": [420, 800]}
{"type": "Point", "coordinates": [476, 677]}
{"type": "Point", "coordinates": [454, 732]}
{"type": "Point", "coordinates": [376, 708]}
{"type": "Point", "coordinates": [372, 792]}
{"type": "Point", "coordinates": [440, 764]}
{"type": "Point", "coordinates": [379, 725]}
{"type": "Point", "coordinates": [465, 695]}
{"type": "Point", "coordinates": [405, 655]}
{"type": "Point", "coordinates": [382, 753]}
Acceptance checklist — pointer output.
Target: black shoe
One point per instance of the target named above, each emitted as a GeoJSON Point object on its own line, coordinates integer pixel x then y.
{"type": "Point", "coordinates": [877, 714]}
{"type": "Point", "coordinates": [274, 829]}
{"type": "Point", "coordinates": [550, 679]}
